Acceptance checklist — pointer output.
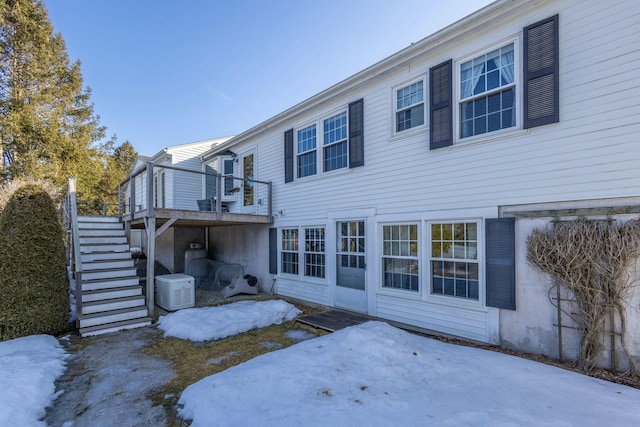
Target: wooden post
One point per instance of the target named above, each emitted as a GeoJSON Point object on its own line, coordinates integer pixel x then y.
{"type": "Point", "coordinates": [151, 255]}
{"type": "Point", "coordinates": [151, 240]}
{"type": "Point", "coordinates": [132, 196]}
{"type": "Point", "coordinates": [559, 310]}
{"type": "Point", "coordinates": [219, 194]}
{"type": "Point", "coordinates": [75, 241]}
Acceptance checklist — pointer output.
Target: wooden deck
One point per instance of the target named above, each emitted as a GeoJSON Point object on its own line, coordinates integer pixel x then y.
{"type": "Point", "coordinates": [193, 218]}
{"type": "Point", "coordinates": [333, 320]}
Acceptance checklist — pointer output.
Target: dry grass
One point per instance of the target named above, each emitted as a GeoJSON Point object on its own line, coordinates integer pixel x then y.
{"type": "Point", "coordinates": [194, 361]}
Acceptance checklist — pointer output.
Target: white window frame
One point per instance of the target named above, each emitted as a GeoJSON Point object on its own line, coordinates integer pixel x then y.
{"type": "Point", "coordinates": [300, 153]}
{"type": "Point", "coordinates": [479, 260]}
{"type": "Point", "coordinates": [310, 248]}
{"type": "Point", "coordinates": [319, 149]}
{"type": "Point", "coordinates": [395, 109]}
{"type": "Point", "coordinates": [417, 258]}
{"type": "Point", "coordinates": [302, 250]}
{"type": "Point", "coordinates": [218, 164]}
{"type": "Point", "coordinates": [159, 189]}
{"type": "Point", "coordinates": [517, 84]}
{"type": "Point", "coordinates": [295, 251]}
{"type": "Point", "coordinates": [344, 140]}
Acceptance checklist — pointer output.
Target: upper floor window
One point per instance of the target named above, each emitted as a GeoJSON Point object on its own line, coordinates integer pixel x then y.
{"type": "Point", "coordinates": [487, 92]}
{"type": "Point", "coordinates": [410, 106]}
{"type": "Point", "coordinates": [307, 151]}
{"type": "Point", "coordinates": [335, 142]}
{"type": "Point", "coordinates": [330, 142]}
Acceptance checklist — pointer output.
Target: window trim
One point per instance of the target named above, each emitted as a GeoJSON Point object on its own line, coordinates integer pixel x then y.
{"type": "Point", "coordinates": [295, 251]}
{"type": "Point", "coordinates": [344, 141]}
{"type": "Point", "coordinates": [306, 251]}
{"type": "Point", "coordinates": [395, 133]}
{"type": "Point", "coordinates": [410, 293]}
{"type": "Point", "coordinates": [318, 122]}
{"type": "Point", "coordinates": [480, 259]}
{"type": "Point", "coordinates": [457, 101]}
{"type": "Point", "coordinates": [298, 153]}
{"type": "Point", "coordinates": [219, 162]}
{"type": "Point", "coordinates": [301, 253]}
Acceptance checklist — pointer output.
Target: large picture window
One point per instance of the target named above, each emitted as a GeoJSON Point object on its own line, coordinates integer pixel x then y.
{"type": "Point", "coordinates": [454, 259]}
{"type": "Point", "coordinates": [487, 92]}
{"type": "Point", "coordinates": [409, 106]}
{"type": "Point", "coordinates": [400, 257]}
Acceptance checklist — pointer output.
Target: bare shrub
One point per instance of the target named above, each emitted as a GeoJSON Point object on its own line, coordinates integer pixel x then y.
{"type": "Point", "coordinates": [591, 259]}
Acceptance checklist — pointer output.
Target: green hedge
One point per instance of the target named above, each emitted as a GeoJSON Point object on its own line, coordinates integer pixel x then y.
{"type": "Point", "coordinates": [33, 275]}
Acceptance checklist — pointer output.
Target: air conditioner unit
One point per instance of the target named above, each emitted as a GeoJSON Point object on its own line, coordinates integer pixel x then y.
{"type": "Point", "coordinates": [175, 291]}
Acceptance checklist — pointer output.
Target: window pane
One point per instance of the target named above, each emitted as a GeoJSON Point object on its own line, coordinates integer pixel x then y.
{"type": "Point", "coordinates": [306, 151]}
{"type": "Point", "coordinates": [458, 242]}
{"type": "Point", "coordinates": [410, 106]}
{"type": "Point", "coordinates": [335, 128]}
{"type": "Point", "coordinates": [314, 259]}
{"type": "Point", "coordinates": [400, 260]}
{"type": "Point", "coordinates": [482, 78]}
{"type": "Point", "coordinates": [307, 164]}
{"type": "Point", "coordinates": [335, 156]}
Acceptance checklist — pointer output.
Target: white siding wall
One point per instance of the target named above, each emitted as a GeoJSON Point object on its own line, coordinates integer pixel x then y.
{"type": "Point", "coordinates": [247, 245]}
{"type": "Point", "coordinates": [184, 188]}
{"type": "Point", "coordinates": [592, 153]}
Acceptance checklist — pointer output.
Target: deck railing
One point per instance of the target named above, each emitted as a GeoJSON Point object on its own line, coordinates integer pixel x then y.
{"type": "Point", "coordinates": [146, 190]}
{"type": "Point", "coordinates": [70, 213]}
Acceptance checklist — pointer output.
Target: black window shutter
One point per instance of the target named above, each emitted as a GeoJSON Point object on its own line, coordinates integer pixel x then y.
{"type": "Point", "coordinates": [440, 99]}
{"type": "Point", "coordinates": [288, 156]}
{"type": "Point", "coordinates": [356, 133]}
{"type": "Point", "coordinates": [501, 263]}
{"type": "Point", "coordinates": [541, 70]}
{"type": "Point", "coordinates": [273, 251]}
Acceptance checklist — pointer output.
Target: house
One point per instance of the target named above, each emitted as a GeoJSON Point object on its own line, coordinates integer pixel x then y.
{"type": "Point", "coordinates": [408, 190]}
{"type": "Point", "coordinates": [173, 188]}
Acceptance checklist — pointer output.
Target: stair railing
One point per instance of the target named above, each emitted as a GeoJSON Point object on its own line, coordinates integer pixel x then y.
{"type": "Point", "coordinates": [74, 241]}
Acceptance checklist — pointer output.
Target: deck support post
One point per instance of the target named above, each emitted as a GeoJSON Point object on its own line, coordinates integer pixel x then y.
{"type": "Point", "coordinates": [151, 254]}
{"type": "Point", "coordinates": [151, 240]}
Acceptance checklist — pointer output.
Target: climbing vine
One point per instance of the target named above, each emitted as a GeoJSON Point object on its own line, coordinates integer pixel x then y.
{"type": "Point", "coordinates": [591, 258]}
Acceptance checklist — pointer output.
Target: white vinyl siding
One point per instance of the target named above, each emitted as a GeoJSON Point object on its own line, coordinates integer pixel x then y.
{"type": "Point", "coordinates": [592, 153]}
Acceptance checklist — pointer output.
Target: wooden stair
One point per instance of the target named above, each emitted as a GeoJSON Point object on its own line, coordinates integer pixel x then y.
{"type": "Point", "coordinates": [111, 295]}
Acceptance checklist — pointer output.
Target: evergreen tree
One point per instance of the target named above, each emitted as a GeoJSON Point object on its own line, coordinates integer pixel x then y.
{"type": "Point", "coordinates": [119, 161]}
{"type": "Point", "coordinates": [48, 129]}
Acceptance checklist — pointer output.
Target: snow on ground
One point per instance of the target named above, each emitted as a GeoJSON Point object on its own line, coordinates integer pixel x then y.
{"type": "Point", "coordinates": [372, 374]}
{"type": "Point", "coordinates": [377, 375]}
{"type": "Point", "coordinates": [210, 323]}
{"type": "Point", "coordinates": [28, 368]}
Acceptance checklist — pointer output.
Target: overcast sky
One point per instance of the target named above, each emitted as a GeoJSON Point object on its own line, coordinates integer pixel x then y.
{"type": "Point", "coordinates": [168, 72]}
